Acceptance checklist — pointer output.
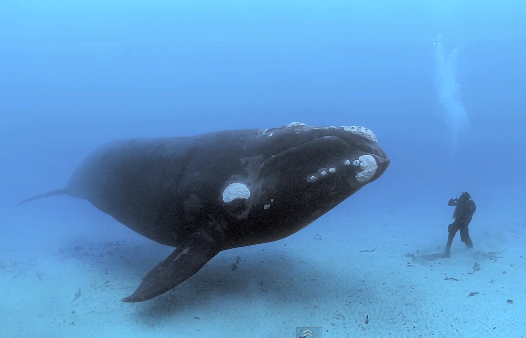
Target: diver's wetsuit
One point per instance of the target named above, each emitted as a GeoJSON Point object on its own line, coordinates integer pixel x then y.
{"type": "Point", "coordinates": [465, 208]}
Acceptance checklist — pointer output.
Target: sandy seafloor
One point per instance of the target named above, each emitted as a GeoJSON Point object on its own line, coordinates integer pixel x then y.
{"type": "Point", "coordinates": [317, 277]}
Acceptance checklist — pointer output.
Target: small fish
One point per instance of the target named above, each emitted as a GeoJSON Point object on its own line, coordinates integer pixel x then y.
{"type": "Point", "coordinates": [77, 296]}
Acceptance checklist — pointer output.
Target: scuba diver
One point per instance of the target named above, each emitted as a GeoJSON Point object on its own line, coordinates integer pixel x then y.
{"type": "Point", "coordinates": [464, 209]}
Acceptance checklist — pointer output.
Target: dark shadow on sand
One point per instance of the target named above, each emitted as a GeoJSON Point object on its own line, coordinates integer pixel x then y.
{"type": "Point", "coordinates": [277, 276]}
{"type": "Point", "coordinates": [432, 257]}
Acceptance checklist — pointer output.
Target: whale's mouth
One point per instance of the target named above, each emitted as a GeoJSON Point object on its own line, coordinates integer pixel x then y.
{"type": "Point", "coordinates": [324, 151]}
{"type": "Point", "coordinates": [358, 137]}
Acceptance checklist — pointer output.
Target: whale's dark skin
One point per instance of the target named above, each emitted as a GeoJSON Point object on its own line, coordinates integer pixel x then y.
{"type": "Point", "coordinates": [212, 192]}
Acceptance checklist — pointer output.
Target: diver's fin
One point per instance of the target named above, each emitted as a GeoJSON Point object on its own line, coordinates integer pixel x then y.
{"type": "Point", "coordinates": [182, 264]}
{"type": "Point", "coordinates": [57, 192]}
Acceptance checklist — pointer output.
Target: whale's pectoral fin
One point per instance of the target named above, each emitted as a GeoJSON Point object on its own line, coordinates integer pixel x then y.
{"type": "Point", "coordinates": [182, 264]}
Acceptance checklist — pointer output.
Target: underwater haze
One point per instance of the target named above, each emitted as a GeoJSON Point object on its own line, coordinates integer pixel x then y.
{"type": "Point", "coordinates": [441, 83]}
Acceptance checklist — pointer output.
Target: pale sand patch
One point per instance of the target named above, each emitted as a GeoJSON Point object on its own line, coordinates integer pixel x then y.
{"type": "Point", "coordinates": [318, 277]}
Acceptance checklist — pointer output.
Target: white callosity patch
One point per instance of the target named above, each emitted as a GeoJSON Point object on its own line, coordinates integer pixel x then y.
{"type": "Point", "coordinates": [362, 131]}
{"type": "Point", "coordinates": [264, 132]}
{"type": "Point", "coordinates": [312, 178]}
{"type": "Point", "coordinates": [347, 162]}
{"type": "Point", "coordinates": [266, 206]}
{"type": "Point", "coordinates": [368, 165]}
{"type": "Point", "coordinates": [321, 173]}
{"type": "Point", "coordinates": [235, 191]}
{"type": "Point", "coordinates": [295, 124]}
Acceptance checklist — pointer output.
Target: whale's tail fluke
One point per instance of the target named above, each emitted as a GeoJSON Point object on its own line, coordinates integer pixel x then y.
{"type": "Point", "coordinates": [57, 192]}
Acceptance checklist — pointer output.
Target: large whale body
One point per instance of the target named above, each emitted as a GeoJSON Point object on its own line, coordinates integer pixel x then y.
{"type": "Point", "coordinates": [216, 191]}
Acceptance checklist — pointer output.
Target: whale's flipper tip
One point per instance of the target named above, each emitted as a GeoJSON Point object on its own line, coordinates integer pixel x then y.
{"type": "Point", "coordinates": [57, 192]}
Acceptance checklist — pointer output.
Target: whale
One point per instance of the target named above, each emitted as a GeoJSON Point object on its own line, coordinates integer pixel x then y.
{"type": "Point", "coordinates": [221, 190]}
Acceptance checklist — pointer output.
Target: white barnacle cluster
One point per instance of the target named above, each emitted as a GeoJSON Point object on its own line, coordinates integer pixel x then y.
{"type": "Point", "coordinates": [267, 131]}
{"type": "Point", "coordinates": [312, 178]}
{"type": "Point", "coordinates": [235, 191]}
{"type": "Point", "coordinates": [368, 167]}
{"type": "Point", "coordinates": [361, 131]}
{"type": "Point", "coordinates": [266, 206]}
{"type": "Point", "coordinates": [321, 173]}
{"type": "Point", "coordinates": [295, 124]}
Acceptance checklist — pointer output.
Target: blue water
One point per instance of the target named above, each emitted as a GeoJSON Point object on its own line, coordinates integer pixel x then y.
{"type": "Point", "coordinates": [441, 83]}
{"type": "Point", "coordinates": [449, 92]}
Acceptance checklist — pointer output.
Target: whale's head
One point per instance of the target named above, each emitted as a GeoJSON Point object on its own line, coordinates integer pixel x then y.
{"type": "Point", "coordinates": [306, 171]}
